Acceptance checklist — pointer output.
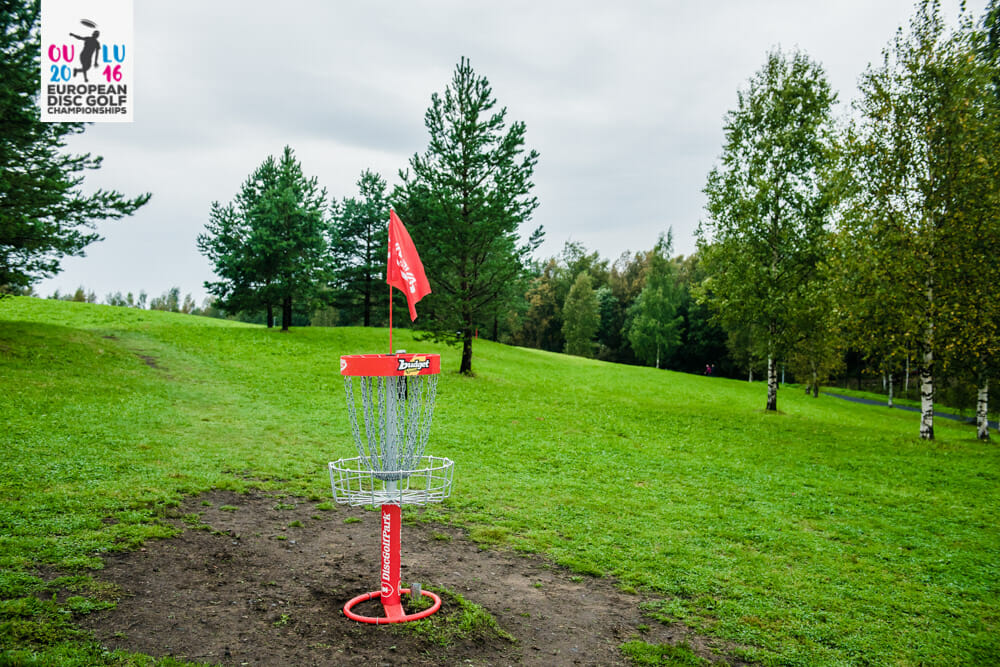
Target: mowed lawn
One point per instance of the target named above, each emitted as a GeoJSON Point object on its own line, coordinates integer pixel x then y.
{"type": "Point", "coordinates": [826, 534]}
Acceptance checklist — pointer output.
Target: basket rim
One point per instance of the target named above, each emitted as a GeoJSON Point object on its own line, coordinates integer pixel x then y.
{"type": "Point", "coordinates": [361, 466]}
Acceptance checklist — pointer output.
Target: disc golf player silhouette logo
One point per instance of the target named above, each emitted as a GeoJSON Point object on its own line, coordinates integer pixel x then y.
{"type": "Point", "coordinates": [86, 63]}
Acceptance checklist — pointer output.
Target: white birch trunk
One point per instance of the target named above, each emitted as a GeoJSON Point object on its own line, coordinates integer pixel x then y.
{"type": "Point", "coordinates": [906, 385]}
{"type": "Point", "coordinates": [890, 390]}
{"type": "Point", "coordinates": [772, 384]}
{"type": "Point", "coordinates": [927, 396]}
{"type": "Point", "coordinates": [982, 405]}
{"type": "Point", "coordinates": [751, 376]}
{"type": "Point", "coordinates": [927, 372]}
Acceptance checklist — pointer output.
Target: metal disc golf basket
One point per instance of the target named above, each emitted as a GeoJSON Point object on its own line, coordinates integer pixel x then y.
{"type": "Point", "coordinates": [390, 400]}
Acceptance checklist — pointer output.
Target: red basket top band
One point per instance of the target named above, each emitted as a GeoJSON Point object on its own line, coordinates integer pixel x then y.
{"type": "Point", "coordinates": [383, 365]}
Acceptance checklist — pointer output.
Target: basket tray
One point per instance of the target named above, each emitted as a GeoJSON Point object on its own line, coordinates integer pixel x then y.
{"type": "Point", "coordinates": [355, 483]}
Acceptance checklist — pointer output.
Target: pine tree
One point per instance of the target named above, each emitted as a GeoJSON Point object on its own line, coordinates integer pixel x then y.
{"type": "Point", "coordinates": [270, 246]}
{"type": "Point", "coordinates": [358, 247]}
{"type": "Point", "coordinates": [242, 274]}
{"type": "Point", "coordinates": [463, 202]}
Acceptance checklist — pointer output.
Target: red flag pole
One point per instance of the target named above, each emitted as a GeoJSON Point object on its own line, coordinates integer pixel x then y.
{"type": "Point", "coordinates": [389, 247]}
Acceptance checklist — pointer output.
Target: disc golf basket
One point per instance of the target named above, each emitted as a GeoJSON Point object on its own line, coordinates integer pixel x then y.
{"type": "Point", "coordinates": [390, 421]}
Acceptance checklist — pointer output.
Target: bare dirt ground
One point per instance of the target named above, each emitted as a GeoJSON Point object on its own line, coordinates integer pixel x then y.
{"type": "Point", "coordinates": [259, 579]}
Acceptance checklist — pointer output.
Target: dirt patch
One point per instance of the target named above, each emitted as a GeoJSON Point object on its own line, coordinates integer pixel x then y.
{"type": "Point", "coordinates": [261, 580]}
{"type": "Point", "coordinates": [152, 362]}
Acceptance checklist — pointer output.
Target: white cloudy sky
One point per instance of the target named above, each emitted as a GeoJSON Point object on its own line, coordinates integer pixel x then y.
{"type": "Point", "coordinates": [624, 101]}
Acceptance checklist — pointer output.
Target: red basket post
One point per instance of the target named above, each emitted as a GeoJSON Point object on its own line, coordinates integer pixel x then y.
{"type": "Point", "coordinates": [366, 480]}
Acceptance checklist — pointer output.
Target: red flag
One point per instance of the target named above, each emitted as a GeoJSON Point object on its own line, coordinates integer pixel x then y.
{"type": "Point", "coordinates": [405, 272]}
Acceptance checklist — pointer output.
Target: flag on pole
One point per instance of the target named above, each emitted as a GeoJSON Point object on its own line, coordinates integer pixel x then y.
{"type": "Point", "coordinates": [405, 272]}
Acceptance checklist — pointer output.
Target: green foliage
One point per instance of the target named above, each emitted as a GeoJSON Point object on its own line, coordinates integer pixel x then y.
{"type": "Point", "coordinates": [818, 353]}
{"type": "Point", "coordinates": [828, 534]}
{"type": "Point", "coordinates": [463, 204]}
{"type": "Point", "coordinates": [768, 203]}
{"type": "Point", "coordinates": [269, 246]}
{"type": "Point", "coordinates": [917, 246]}
{"type": "Point", "coordinates": [581, 318]}
{"type": "Point", "coordinates": [541, 326]}
{"type": "Point", "coordinates": [703, 341]}
{"type": "Point", "coordinates": [542, 322]}
{"type": "Point", "coordinates": [358, 249]}
{"type": "Point", "coordinates": [654, 328]}
{"type": "Point", "coordinates": [44, 216]}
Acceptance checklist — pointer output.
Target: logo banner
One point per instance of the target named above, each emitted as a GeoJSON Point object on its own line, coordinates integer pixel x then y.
{"type": "Point", "coordinates": [87, 61]}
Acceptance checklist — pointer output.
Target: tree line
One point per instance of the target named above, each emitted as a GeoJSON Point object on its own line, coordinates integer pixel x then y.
{"type": "Point", "coordinates": [878, 233]}
{"type": "Point", "coordinates": [283, 243]}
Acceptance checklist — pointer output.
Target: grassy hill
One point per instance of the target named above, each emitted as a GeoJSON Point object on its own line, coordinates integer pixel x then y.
{"type": "Point", "coordinates": [827, 534]}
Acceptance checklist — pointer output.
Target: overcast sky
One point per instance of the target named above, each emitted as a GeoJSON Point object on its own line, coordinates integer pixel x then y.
{"type": "Point", "coordinates": [624, 101]}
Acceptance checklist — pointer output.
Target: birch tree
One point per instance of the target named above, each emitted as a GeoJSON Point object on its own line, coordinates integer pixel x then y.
{"type": "Point", "coordinates": [986, 253]}
{"type": "Point", "coordinates": [768, 204]}
{"type": "Point", "coordinates": [971, 312]}
{"type": "Point", "coordinates": [921, 156]}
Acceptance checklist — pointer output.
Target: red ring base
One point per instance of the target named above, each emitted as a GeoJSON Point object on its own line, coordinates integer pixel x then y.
{"type": "Point", "coordinates": [381, 620]}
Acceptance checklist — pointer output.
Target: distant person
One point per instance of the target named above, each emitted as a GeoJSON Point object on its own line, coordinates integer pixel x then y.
{"type": "Point", "coordinates": [708, 369]}
{"type": "Point", "coordinates": [89, 54]}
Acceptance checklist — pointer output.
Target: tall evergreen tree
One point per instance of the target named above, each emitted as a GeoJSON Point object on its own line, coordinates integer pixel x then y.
{"type": "Point", "coordinates": [358, 247]}
{"type": "Point", "coordinates": [228, 242]}
{"type": "Point", "coordinates": [609, 333]}
{"type": "Point", "coordinates": [464, 201]}
{"type": "Point", "coordinates": [293, 233]}
{"type": "Point", "coordinates": [270, 246]}
{"type": "Point", "coordinates": [44, 215]}
{"type": "Point", "coordinates": [767, 205]}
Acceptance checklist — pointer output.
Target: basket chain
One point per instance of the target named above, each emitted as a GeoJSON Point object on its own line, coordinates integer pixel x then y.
{"type": "Point", "coordinates": [397, 413]}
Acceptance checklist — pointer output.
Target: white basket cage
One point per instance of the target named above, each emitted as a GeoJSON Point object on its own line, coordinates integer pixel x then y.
{"type": "Point", "coordinates": [355, 482]}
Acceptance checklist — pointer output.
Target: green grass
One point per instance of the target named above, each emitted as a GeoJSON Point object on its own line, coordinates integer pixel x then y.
{"type": "Point", "coordinates": [664, 655]}
{"type": "Point", "coordinates": [825, 535]}
{"type": "Point", "coordinates": [463, 621]}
